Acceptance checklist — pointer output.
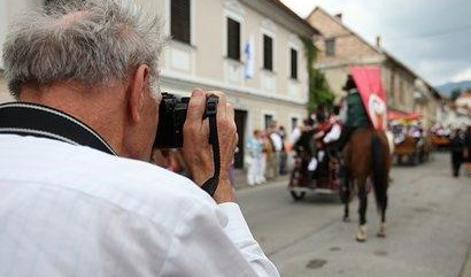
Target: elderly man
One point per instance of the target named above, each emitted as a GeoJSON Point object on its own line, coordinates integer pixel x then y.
{"type": "Point", "coordinates": [74, 199]}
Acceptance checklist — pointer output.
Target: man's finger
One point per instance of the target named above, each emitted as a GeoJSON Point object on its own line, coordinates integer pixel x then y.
{"type": "Point", "coordinates": [230, 114]}
{"type": "Point", "coordinates": [196, 107]}
{"type": "Point", "coordinates": [221, 108]}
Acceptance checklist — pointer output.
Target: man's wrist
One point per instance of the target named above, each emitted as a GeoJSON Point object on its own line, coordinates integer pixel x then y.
{"type": "Point", "coordinates": [225, 191]}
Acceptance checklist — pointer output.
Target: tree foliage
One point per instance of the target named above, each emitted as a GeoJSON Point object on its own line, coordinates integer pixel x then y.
{"type": "Point", "coordinates": [319, 91]}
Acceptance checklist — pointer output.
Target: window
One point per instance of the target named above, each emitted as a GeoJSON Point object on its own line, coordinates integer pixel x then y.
{"type": "Point", "coordinates": [267, 53]}
{"type": "Point", "coordinates": [294, 64]}
{"type": "Point", "coordinates": [268, 120]}
{"type": "Point", "coordinates": [401, 92]}
{"type": "Point", "coordinates": [233, 39]}
{"type": "Point", "coordinates": [330, 47]}
{"type": "Point", "coordinates": [180, 20]}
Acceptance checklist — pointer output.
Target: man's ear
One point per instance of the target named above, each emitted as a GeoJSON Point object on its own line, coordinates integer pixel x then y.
{"type": "Point", "coordinates": [138, 87]}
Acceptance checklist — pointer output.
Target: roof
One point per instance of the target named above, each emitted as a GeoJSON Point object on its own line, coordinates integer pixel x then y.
{"type": "Point", "coordinates": [338, 21]}
{"type": "Point", "coordinates": [286, 16]}
{"type": "Point", "coordinates": [378, 50]}
{"type": "Point", "coordinates": [301, 20]}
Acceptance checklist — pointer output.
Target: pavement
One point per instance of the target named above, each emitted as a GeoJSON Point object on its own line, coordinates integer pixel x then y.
{"type": "Point", "coordinates": [429, 228]}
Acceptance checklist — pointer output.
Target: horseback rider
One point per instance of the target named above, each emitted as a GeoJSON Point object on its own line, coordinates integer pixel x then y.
{"type": "Point", "coordinates": [353, 112]}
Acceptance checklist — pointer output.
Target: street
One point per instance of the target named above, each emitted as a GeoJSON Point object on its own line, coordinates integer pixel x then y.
{"type": "Point", "coordinates": [428, 229]}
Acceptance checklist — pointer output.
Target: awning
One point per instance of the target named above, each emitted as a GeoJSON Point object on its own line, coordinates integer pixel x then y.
{"type": "Point", "coordinates": [394, 115]}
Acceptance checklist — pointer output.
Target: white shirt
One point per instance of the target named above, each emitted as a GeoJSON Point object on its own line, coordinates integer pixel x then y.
{"type": "Point", "coordinates": [295, 135]}
{"type": "Point", "coordinates": [333, 134]}
{"type": "Point", "coordinates": [277, 141]}
{"type": "Point", "coordinates": [70, 210]}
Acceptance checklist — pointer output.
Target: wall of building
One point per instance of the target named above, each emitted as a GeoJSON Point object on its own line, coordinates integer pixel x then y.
{"type": "Point", "coordinates": [203, 64]}
{"type": "Point", "coordinates": [204, 61]}
{"type": "Point", "coordinates": [349, 48]}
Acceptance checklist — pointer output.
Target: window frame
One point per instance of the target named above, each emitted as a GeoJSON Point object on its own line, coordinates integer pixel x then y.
{"type": "Point", "coordinates": [332, 51]}
{"type": "Point", "coordinates": [266, 124]}
{"type": "Point", "coordinates": [228, 19]}
{"type": "Point", "coordinates": [188, 40]}
{"type": "Point", "coordinates": [296, 66]}
{"type": "Point", "coordinates": [272, 60]}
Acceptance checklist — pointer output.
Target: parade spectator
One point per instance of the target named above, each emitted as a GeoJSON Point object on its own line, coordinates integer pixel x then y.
{"type": "Point", "coordinates": [277, 143]}
{"type": "Point", "coordinates": [255, 175]}
{"type": "Point", "coordinates": [457, 151]}
{"type": "Point", "coordinates": [271, 166]}
{"type": "Point", "coordinates": [468, 144]}
{"type": "Point", "coordinates": [283, 153]}
{"type": "Point", "coordinates": [78, 194]}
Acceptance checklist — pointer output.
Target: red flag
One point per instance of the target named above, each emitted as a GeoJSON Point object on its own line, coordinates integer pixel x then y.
{"type": "Point", "coordinates": [373, 96]}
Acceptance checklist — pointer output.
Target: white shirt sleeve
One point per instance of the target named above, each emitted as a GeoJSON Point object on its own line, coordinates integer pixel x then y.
{"type": "Point", "coordinates": [334, 134]}
{"type": "Point", "coordinates": [216, 243]}
{"type": "Point", "coordinates": [295, 135]}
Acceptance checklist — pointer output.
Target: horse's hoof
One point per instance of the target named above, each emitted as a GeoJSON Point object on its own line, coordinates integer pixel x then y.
{"type": "Point", "coordinates": [346, 219]}
{"type": "Point", "coordinates": [361, 235]}
{"type": "Point", "coordinates": [382, 231]}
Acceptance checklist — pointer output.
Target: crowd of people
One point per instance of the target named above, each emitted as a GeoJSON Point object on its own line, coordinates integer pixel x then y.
{"type": "Point", "coordinates": [268, 150]}
{"type": "Point", "coordinates": [267, 154]}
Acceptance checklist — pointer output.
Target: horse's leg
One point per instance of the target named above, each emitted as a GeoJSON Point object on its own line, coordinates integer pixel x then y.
{"type": "Point", "coordinates": [345, 178]}
{"type": "Point", "coordinates": [346, 216]}
{"type": "Point", "coordinates": [361, 235]}
{"type": "Point", "coordinates": [382, 226]}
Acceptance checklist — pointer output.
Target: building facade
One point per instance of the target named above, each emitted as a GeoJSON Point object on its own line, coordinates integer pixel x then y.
{"type": "Point", "coordinates": [249, 49]}
{"type": "Point", "coordinates": [340, 48]}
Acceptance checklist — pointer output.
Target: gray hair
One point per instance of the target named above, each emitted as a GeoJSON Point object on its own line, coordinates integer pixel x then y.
{"type": "Point", "coordinates": [90, 42]}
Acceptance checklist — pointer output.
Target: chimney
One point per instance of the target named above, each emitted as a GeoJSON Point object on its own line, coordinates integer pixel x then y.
{"type": "Point", "coordinates": [378, 41]}
{"type": "Point", "coordinates": [339, 16]}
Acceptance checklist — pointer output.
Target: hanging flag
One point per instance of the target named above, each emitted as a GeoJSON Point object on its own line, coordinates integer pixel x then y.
{"type": "Point", "coordinates": [249, 51]}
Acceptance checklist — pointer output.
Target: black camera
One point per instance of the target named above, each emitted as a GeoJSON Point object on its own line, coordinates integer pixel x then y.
{"type": "Point", "coordinates": [172, 116]}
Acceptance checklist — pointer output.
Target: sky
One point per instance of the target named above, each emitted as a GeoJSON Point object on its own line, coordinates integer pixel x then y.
{"type": "Point", "coordinates": [432, 37]}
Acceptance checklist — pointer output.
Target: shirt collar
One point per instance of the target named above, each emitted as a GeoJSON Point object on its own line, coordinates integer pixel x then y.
{"type": "Point", "coordinates": [29, 119]}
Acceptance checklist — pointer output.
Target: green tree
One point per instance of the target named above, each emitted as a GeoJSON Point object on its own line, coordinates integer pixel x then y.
{"type": "Point", "coordinates": [455, 94]}
{"type": "Point", "coordinates": [319, 91]}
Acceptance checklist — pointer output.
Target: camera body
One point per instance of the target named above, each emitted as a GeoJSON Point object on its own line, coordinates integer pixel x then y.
{"type": "Point", "coordinates": [172, 116]}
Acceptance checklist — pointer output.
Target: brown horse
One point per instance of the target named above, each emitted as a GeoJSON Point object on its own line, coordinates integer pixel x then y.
{"type": "Point", "coordinates": [367, 156]}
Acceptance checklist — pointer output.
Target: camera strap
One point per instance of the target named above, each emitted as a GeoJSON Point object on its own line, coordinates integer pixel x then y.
{"type": "Point", "coordinates": [211, 185]}
{"type": "Point", "coordinates": [28, 119]}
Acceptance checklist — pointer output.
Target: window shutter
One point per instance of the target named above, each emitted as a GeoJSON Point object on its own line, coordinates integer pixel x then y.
{"type": "Point", "coordinates": [294, 64]}
{"type": "Point", "coordinates": [233, 39]}
{"type": "Point", "coordinates": [180, 20]}
{"type": "Point", "coordinates": [267, 53]}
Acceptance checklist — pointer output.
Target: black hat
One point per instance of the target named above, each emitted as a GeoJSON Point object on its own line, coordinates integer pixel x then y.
{"type": "Point", "coordinates": [350, 83]}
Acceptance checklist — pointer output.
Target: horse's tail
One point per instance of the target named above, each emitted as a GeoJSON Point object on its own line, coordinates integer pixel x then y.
{"type": "Point", "coordinates": [380, 172]}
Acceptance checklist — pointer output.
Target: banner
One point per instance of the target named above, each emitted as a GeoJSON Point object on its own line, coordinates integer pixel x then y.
{"type": "Point", "coordinates": [249, 51]}
{"type": "Point", "coordinates": [373, 96]}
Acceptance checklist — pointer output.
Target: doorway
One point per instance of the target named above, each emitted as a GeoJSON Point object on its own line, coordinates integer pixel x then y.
{"type": "Point", "coordinates": [240, 120]}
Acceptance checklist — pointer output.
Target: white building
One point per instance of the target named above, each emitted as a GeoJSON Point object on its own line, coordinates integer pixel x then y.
{"type": "Point", "coordinates": [208, 51]}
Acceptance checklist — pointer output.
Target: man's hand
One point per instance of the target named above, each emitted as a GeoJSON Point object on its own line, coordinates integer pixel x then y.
{"type": "Point", "coordinates": [197, 150]}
